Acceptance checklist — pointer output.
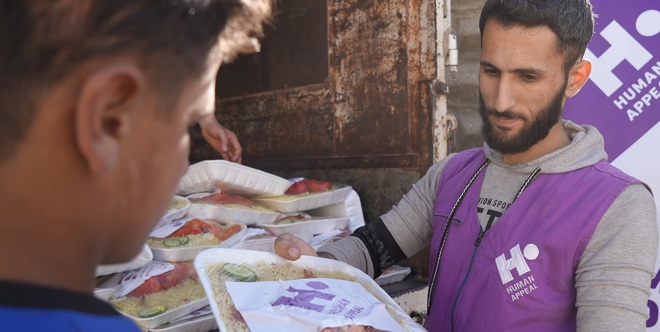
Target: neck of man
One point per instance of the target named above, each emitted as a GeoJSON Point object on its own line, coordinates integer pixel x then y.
{"type": "Point", "coordinates": [39, 243]}
{"type": "Point", "coordinates": [557, 138]}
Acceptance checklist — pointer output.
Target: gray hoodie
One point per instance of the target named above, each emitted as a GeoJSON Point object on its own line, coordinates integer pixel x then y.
{"type": "Point", "coordinates": [614, 274]}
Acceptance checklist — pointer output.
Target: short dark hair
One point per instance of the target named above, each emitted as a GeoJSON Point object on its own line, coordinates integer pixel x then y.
{"type": "Point", "coordinates": [571, 20]}
{"type": "Point", "coordinates": [44, 40]}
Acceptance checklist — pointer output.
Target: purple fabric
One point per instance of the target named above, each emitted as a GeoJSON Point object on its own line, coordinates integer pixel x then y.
{"type": "Point", "coordinates": [547, 228]}
{"type": "Point", "coordinates": [625, 52]}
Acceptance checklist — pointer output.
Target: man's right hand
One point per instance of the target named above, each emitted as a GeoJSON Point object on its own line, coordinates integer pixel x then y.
{"type": "Point", "coordinates": [292, 247]}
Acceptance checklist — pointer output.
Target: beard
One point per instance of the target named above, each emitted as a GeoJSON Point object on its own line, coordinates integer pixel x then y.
{"type": "Point", "coordinates": [533, 131]}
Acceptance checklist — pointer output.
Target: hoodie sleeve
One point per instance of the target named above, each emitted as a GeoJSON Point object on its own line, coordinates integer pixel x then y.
{"type": "Point", "coordinates": [408, 223]}
{"type": "Point", "coordinates": [614, 275]}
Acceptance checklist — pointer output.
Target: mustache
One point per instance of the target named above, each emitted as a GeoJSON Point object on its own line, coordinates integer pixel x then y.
{"type": "Point", "coordinates": [505, 114]}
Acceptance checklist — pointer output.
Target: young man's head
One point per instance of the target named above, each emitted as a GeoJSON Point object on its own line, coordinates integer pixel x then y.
{"type": "Point", "coordinates": [531, 62]}
{"type": "Point", "coordinates": [96, 97]}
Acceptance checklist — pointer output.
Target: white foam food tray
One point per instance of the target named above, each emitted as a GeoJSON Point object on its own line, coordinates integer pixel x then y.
{"type": "Point", "coordinates": [314, 225]}
{"type": "Point", "coordinates": [189, 253]}
{"type": "Point", "coordinates": [145, 256]}
{"type": "Point", "coordinates": [167, 316]}
{"type": "Point", "coordinates": [103, 294]}
{"type": "Point", "coordinates": [209, 261]}
{"type": "Point", "coordinates": [196, 321]}
{"type": "Point", "coordinates": [219, 212]}
{"type": "Point", "coordinates": [392, 274]}
{"type": "Point", "coordinates": [113, 283]}
{"type": "Point", "coordinates": [158, 320]}
{"type": "Point", "coordinates": [176, 210]}
{"type": "Point", "coordinates": [304, 202]}
{"type": "Point", "coordinates": [351, 207]}
{"type": "Point", "coordinates": [213, 175]}
{"type": "Point", "coordinates": [265, 243]}
{"type": "Point", "coordinates": [204, 323]}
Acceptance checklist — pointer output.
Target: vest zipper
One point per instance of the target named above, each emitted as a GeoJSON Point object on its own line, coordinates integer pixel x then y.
{"type": "Point", "coordinates": [446, 231]}
{"type": "Point", "coordinates": [477, 242]}
{"type": "Point", "coordinates": [467, 275]}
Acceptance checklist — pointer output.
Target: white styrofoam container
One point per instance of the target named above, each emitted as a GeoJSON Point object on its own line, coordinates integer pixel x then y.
{"type": "Point", "coordinates": [167, 316]}
{"type": "Point", "coordinates": [297, 203]}
{"type": "Point", "coordinates": [204, 323]}
{"type": "Point", "coordinates": [351, 208]}
{"type": "Point", "coordinates": [218, 212]}
{"type": "Point", "coordinates": [227, 176]}
{"type": "Point", "coordinates": [145, 256]}
{"type": "Point", "coordinates": [103, 294]}
{"type": "Point", "coordinates": [201, 320]}
{"type": "Point", "coordinates": [158, 320]}
{"type": "Point", "coordinates": [265, 243]}
{"type": "Point", "coordinates": [206, 260]}
{"type": "Point", "coordinates": [392, 274]}
{"type": "Point", "coordinates": [174, 214]}
{"type": "Point", "coordinates": [189, 253]}
{"type": "Point", "coordinates": [316, 225]}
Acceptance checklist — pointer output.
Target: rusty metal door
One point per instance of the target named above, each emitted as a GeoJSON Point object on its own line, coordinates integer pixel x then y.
{"type": "Point", "coordinates": [345, 90]}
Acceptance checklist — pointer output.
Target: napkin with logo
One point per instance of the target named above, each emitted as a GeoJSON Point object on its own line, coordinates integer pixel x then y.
{"type": "Point", "coordinates": [308, 305]}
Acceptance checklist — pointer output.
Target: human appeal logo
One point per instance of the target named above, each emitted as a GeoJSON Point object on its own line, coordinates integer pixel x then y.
{"type": "Point", "coordinates": [518, 262]}
{"type": "Point", "coordinates": [622, 96]}
{"type": "Point", "coordinates": [643, 89]}
{"type": "Point", "coordinates": [304, 298]}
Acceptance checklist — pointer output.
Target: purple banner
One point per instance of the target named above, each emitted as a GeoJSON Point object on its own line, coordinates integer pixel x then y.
{"type": "Point", "coordinates": [622, 96]}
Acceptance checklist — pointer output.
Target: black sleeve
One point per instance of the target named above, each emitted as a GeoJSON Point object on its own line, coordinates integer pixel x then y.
{"type": "Point", "coordinates": [384, 251]}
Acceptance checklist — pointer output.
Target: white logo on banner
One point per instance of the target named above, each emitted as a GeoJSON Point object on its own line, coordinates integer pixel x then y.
{"type": "Point", "coordinates": [623, 47]}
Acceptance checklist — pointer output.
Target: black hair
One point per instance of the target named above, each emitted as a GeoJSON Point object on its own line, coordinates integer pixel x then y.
{"type": "Point", "coordinates": [571, 20]}
{"type": "Point", "coordinates": [45, 40]}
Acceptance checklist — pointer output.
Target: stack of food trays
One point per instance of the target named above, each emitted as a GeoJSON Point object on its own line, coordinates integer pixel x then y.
{"type": "Point", "coordinates": [300, 206]}
{"type": "Point", "coordinates": [304, 207]}
{"type": "Point", "coordinates": [221, 204]}
{"type": "Point", "coordinates": [165, 294]}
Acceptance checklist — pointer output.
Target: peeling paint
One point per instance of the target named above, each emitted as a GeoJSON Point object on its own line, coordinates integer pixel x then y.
{"type": "Point", "coordinates": [373, 122]}
{"type": "Point", "coordinates": [381, 56]}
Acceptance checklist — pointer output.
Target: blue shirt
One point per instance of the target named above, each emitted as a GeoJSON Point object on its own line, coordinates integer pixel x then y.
{"type": "Point", "coordinates": [27, 308]}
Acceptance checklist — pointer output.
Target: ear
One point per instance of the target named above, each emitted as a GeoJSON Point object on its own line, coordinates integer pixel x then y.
{"type": "Point", "coordinates": [104, 107]}
{"type": "Point", "coordinates": [577, 77]}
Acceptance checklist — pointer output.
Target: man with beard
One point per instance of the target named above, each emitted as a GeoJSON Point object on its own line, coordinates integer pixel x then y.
{"type": "Point", "coordinates": [535, 231]}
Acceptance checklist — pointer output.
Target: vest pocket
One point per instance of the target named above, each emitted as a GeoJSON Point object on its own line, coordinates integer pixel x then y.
{"type": "Point", "coordinates": [439, 220]}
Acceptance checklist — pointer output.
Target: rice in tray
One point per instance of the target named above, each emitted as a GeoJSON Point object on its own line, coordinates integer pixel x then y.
{"type": "Point", "coordinates": [177, 203]}
{"type": "Point", "coordinates": [266, 272]}
{"type": "Point", "coordinates": [184, 292]}
{"type": "Point", "coordinates": [193, 240]}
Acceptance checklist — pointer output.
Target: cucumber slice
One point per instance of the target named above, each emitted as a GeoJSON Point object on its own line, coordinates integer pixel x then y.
{"type": "Point", "coordinates": [172, 243]}
{"type": "Point", "coordinates": [151, 312]}
{"type": "Point", "coordinates": [239, 272]}
{"type": "Point", "coordinates": [184, 240]}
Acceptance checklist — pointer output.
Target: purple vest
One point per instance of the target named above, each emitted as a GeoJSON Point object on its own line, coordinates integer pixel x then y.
{"type": "Point", "coordinates": [522, 275]}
